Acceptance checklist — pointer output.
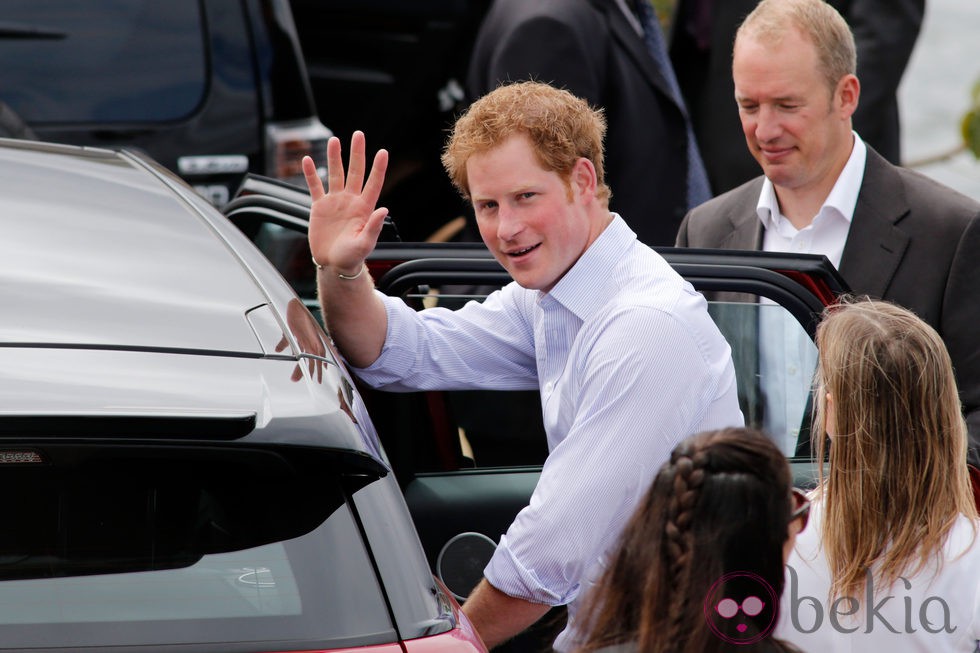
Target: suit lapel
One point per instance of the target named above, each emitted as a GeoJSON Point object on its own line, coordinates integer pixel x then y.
{"type": "Point", "coordinates": [634, 47]}
{"type": "Point", "coordinates": [746, 231]}
{"type": "Point", "coordinates": [875, 244]}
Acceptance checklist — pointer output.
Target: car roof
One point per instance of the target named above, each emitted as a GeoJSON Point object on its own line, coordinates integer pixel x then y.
{"type": "Point", "coordinates": [100, 251]}
{"type": "Point", "coordinates": [132, 306]}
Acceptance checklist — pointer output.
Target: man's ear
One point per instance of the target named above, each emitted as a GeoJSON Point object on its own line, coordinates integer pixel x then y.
{"type": "Point", "coordinates": [848, 94]}
{"type": "Point", "coordinates": [583, 180]}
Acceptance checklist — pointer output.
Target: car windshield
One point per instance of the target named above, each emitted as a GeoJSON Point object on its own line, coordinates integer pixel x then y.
{"type": "Point", "coordinates": [132, 546]}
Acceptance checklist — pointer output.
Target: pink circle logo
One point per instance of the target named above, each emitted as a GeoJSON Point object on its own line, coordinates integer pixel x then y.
{"type": "Point", "coordinates": [740, 608]}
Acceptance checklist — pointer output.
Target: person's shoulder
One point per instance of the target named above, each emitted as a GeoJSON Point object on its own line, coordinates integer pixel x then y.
{"type": "Point", "coordinates": [774, 645]}
{"type": "Point", "coordinates": [515, 12]}
{"type": "Point", "coordinates": [711, 223]}
{"type": "Point", "coordinates": [924, 194]}
{"type": "Point", "coordinates": [746, 194]}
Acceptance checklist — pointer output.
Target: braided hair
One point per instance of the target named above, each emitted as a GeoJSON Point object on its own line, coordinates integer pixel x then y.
{"type": "Point", "coordinates": [716, 514]}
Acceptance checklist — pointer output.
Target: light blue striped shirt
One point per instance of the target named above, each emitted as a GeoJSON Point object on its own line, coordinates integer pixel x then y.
{"type": "Point", "coordinates": [628, 362]}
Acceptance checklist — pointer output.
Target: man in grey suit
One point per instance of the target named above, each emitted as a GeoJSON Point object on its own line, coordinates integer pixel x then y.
{"type": "Point", "coordinates": [885, 33]}
{"type": "Point", "coordinates": [596, 49]}
{"type": "Point", "coordinates": [894, 234]}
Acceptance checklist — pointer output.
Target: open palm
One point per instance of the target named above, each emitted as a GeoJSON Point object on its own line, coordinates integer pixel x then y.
{"type": "Point", "coordinates": [344, 221]}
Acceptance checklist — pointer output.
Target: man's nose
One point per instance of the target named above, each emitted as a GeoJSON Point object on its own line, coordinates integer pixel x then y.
{"type": "Point", "coordinates": [767, 125]}
{"type": "Point", "coordinates": [509, 223]}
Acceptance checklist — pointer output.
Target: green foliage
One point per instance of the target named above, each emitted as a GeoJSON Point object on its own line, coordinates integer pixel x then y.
{"type": "Point", "coordinates": [971, 123]}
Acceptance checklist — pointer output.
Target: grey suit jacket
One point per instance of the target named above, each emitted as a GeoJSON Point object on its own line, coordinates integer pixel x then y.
{"type": "Point", "coordinates": [590, 48]}
{"type": "Point", "coordinates": [912, 241]}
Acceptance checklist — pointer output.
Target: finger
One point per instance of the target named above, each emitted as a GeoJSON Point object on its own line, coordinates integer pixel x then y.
{"type": "Point", "coordinates": [319, 371]}
{"type": "Point", "coordinates": [312, 178]}
{"type": "Point", "coordinates": [375, 223]}
{"type": "Point", "coordinates": [282, 343]}
{"type": "Point", "coordinates": [355, 169]}
{"type": "Point", "coordinates": [297, 373]}
{"type": "Point", "coordinates": [335, 166]}
{"type": "Point", "coordinates": [376, 180]}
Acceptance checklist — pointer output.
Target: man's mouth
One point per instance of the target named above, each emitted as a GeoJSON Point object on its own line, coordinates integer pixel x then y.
{"type": "Point", "coordinates": [774, 152]}
{"type": "Point", "coordinates": [517, 253]}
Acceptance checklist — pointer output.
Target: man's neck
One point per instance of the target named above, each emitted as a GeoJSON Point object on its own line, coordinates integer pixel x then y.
{"type": "Point", "coordinates": [801, 205]}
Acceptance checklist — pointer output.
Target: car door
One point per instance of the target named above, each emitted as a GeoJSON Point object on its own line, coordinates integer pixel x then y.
{"type": "Point", "coordinates": [468, 462]}
{"type": "Point", "coordinates": [450, 488]}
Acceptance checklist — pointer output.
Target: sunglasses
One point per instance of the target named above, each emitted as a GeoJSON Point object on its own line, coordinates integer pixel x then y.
{"type": "Point", "coordinates": [801, 508]}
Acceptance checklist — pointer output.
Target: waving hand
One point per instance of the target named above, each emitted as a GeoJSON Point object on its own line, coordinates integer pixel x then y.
{"type": "Point", "coordinates": [344, 223]}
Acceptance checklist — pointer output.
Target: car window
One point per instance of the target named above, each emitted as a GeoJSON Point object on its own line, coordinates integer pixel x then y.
{"type": "Point", "coordinates": [775, 359]}
{"type": "Point", "coordinates": [140, 545]}
{"type": "Point", "coordinates": [58, 55]}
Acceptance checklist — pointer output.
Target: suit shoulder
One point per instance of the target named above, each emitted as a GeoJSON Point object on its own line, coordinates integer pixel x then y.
{"type": "Point", "coordinates": [927, 194]}
{"type": "Point", "coordinates": [714, 222]}
{"type": "Point", "coordinates": [508, 14]}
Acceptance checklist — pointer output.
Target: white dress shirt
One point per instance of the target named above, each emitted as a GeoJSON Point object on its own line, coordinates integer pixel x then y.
{"type": "Point", "coordinates": [628, 363]}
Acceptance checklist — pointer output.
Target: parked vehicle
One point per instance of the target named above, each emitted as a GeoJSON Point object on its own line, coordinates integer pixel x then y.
{"type": "Point", "coordinates": [192, 469]}
{"type": "Point", "coordinates": [183, 470]}
{"type": "Point", "coordinates": [460, 498]}
{"type": "Point", "coordinates": [211, 89]}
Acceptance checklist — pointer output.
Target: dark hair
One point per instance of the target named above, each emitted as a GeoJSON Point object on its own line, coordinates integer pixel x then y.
{"type": "Point", "coordinates": [716, 515]}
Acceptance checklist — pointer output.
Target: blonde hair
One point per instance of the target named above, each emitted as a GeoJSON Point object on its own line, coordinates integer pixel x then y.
{"type": "Point", "coordinates": [819, 22]}
{"type": "Point", "coordinates": [897, 478]}
{"type": "Point", "coordinates": [560, 126]}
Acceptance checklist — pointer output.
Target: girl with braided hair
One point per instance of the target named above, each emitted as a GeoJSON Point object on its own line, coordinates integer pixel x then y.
{"type": "Point", "coordinates": [892, 562]}
{"type": "Point", "coordinates": [699, 567]}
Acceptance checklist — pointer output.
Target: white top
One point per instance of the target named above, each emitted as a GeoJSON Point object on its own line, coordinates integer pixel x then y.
{"type": "Point", "coordinates": [936, 611]}
{"type": "Point", "coordinates": [628, 363]}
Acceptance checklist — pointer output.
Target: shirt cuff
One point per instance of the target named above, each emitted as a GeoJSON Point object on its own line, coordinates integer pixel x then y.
{"type": "Point", "coordinates": [506, 573]}
{"type": "Point", "coordinates": [393, 359]}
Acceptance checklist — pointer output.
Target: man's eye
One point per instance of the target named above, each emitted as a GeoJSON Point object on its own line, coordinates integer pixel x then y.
{"type": "Point", "coordinates": [527, 195]}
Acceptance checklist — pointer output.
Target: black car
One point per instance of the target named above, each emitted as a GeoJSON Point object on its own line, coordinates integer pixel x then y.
{"type": "Point", "coordinates": [186, 463]}
{"type": "Point", "coordinates": [212, 89]}
{"type": "Point", "coordinates": [468, 461]}
{"type": "Point", "coordinates": [190, 463]}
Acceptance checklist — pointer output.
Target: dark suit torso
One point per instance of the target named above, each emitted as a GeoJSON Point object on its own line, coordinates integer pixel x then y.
{"type": "Point", "coordinates": [912, 241]}
{"type": "Point", "coordinates": [589, 48]}
{"type": "Point", "coordinates": [885, 32]}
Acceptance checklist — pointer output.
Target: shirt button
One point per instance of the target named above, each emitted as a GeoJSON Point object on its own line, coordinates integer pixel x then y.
{"type": "Point", "coordinates": [548, 386]}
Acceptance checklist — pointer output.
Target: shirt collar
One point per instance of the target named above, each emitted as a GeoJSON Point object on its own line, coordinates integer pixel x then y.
{"type": "Point", "coordinates": [842, 198]}
{"type": "Point", "coordinates": [587, 284]}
